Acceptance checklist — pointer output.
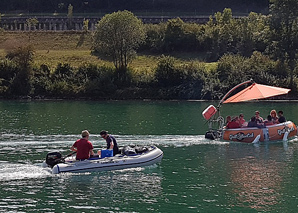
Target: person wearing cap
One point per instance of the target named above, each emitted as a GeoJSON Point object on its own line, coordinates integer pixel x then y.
{"type": "Point", "coordinates": [83, 147]}
{"type": "Point", "coordinates": [111, 142]}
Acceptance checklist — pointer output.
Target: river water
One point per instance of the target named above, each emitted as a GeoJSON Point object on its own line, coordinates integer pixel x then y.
{"type": "Point", "coordinates": [195, 175]}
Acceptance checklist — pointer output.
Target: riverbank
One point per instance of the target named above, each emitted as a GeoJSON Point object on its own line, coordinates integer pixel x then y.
{"type": "Point", "coordinates": [62, 66]}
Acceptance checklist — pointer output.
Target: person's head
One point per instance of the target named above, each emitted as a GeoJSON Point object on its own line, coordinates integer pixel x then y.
{"type": "Point", "coordinates": [273, 113]}
{"type": "Point", "coordinates": [280, 113]}
{"type": "Point", "coordinates": [269, 118]}
{"type": "Point", "coordinates": [241, 116]}
{"type": "Point", "coordinates": [228, 118]}
{"type": "Point", "coordinates": [103, 134]}
{"type": "Point", "coordinates": [257, 113]}
{"type": "Point", "coordinates": [85, 134]}
{"type": "Point", "coordinates": [253, 119]}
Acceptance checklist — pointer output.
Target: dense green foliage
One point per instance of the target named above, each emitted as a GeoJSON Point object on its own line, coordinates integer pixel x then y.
{"type": "Point", "coordinates": [258, 47]}
{"type": "Point", "coordinates": [117, 37]}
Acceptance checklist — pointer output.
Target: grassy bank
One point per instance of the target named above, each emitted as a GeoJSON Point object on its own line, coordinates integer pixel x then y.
{"type": "Point", "coordinates": [74, 48]}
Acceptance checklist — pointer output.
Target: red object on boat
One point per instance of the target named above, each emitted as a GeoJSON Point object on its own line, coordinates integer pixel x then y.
{"type": "Point", "coordinates": [256, 91]}
{"type": "Point", "coordinates": [209, 112]}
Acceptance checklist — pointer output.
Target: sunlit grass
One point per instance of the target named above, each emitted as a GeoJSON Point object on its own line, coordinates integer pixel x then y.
{"type": "Point", "coordinates": [75, 58]}
{"type": "Point", "coordinates": [74, 48]}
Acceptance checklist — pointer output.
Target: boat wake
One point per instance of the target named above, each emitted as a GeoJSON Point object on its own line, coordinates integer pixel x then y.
{"type": "Point", "coordinates": [55, 141]}
{"type": "Point", "coordinates": [18, 171]}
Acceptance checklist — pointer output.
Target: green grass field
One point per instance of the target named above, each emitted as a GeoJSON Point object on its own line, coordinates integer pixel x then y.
{"type": "Point", "coordinates": [74, 48]}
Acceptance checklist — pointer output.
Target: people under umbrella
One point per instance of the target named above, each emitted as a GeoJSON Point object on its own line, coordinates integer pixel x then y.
{"type": "Point", "coordinates": [255, 121]}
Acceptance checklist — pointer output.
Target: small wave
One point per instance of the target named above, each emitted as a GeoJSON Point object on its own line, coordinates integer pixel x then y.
{"type": "Point", "coordinates": [14, 171]}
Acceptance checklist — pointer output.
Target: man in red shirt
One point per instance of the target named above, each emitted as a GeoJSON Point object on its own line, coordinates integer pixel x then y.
{"type": "Point", "coordinates": [83, 147]}
{"type": "Point", "coordinates": [233, 124]}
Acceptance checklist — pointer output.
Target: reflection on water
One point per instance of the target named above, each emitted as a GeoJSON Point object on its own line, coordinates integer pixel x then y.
{"type": "Point", "coordinates": [257, 177]}
{"type": "Point", "coordinates": [195, 175]}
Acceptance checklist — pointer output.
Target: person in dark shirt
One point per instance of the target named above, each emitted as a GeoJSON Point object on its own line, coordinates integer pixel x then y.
{"type": "Point", "coordinates": [281, 118]}
{"type": "Point", "coordinates": [111, 142]}
{"type": "Point", "coordinates": [269, 121]}
{"type": "Point", "coordinates": [253, 123]}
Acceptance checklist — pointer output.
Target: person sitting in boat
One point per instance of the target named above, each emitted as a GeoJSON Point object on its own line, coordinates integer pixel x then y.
{"type": "Point", "coordinates": [234, 123]}
{"type": "Point", "coordinates": [228, 119]}
{"type": "Point", "coordinates": [111, 142]}
{"type": "Point", "coordinates": [83, 147]}
{"type": "Point", "coordinates": [281, 118]}
{"type": "Point", "coordinates": [274, 116]}
{"type": "Point", "coordinates": [242, 121]}
{"type": "Point", "coordinates": [259, 119]}
{"type": "Point", "coordinates": [253, 123]}
{"type": "Point", "coordinates": [269, 121]}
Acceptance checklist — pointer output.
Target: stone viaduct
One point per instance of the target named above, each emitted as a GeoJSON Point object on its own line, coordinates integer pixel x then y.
{"type": "Point", "coordinates": [61, 23]}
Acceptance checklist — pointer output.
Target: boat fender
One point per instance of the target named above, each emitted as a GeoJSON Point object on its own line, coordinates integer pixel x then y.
{"type": "Point", "coordinates": [285, 137]}
{"type": "Point", "coordinates": [256, 140]}
{"type": "Point", "coordinates": [209, 112]}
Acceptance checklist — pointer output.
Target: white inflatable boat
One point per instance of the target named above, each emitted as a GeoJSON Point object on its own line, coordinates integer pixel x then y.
{"type": "Point", "coordinates": [138, 156]}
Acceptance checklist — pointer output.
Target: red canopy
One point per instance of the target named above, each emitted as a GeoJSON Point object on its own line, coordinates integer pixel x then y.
{"type": "Point", "coordinates": [256, 91]}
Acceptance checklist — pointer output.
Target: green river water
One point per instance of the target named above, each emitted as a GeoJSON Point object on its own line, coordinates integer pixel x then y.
{"type": "Point", "coordinates": [195, 175]}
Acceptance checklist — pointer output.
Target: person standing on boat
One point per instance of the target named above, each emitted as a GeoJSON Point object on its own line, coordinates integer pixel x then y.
{"type": "Point", "coordinates": [83, 147]}
{"type": "Point", "coordinates": [111, 142]}
{"type": "Point", "coordinates": [281, 118]}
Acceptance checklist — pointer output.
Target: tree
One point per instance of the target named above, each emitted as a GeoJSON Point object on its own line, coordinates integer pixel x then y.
{"type": "Point", "coordinates": [117, 36]}
{"type": "Point", "coordinates": [284, 31]}
{"type": "Point", "coordinates": [23, 58]}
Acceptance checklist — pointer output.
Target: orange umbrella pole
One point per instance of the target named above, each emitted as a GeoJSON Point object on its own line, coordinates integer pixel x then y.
{"type": "Point", "coordinates": [231, 90]}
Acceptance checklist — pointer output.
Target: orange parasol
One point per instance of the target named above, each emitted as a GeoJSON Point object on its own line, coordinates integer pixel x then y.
{"type": "Point", "coordinates": [256, 91]}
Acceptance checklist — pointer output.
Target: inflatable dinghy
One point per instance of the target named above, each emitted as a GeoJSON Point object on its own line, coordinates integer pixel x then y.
{"type": "Point", "coordinates": [130, 157]}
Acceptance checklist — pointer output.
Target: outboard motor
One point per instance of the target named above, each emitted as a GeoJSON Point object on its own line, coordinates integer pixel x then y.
{"type": "Point", "coordinates": [54, 158]}
{"type": "Point", "coordinates": [212, 135]}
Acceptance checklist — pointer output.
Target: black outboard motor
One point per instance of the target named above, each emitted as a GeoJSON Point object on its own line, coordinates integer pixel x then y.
{"type": "Point", "coordinates": [54, 158]}
{"type": "Point", "coordinates": [212, 135]}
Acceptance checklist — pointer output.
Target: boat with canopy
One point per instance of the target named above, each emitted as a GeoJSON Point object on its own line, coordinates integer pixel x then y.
{"type": "Point", "coordinates": [217, 129]}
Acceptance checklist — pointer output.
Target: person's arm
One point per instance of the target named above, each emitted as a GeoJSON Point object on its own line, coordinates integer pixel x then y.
{"type": "Point", "coordinates": [111, 142]}
{"type": "Point", "coordinates": [73, 149]}
{"type": "Point", "coordinates": [91, 152]}
{"type": "Point", "coordinates": [112, 145]}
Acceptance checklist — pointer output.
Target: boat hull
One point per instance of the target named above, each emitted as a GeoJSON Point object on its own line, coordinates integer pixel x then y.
{"type": "Point", "coordinates": [271, 133]}
{"type": "Point", "coordinates": [111, 163]}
